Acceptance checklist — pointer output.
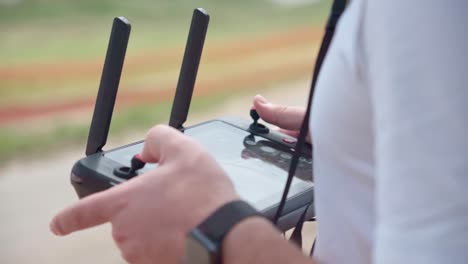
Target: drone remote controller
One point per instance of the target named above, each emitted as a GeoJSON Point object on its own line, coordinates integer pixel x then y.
{"type": "Point", "coordinates": [255, 158]}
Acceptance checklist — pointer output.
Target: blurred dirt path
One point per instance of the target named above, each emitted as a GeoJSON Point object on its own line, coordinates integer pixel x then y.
{"type": "Point", "coordinates": [220, 50]}
{"type": "Point", "coordinates": [31, 191]}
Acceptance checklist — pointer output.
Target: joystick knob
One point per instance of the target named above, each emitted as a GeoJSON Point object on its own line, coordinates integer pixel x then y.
{"type": "Point", "coordinates": [254, 115]}
{"type": "Point", "coordinates": [255, 126]}
{"type": "Point", "coordinates": [136, 163]}
{"type": "Point", "coordinates": [129, 172]}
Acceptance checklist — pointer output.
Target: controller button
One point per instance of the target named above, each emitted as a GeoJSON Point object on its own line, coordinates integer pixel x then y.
{"type": "Point", "coordinates": [286, 155]}
{"type": "Point", "coordinates": [289, 140]}
{"type": "Point", "coordinates": [124, 172]}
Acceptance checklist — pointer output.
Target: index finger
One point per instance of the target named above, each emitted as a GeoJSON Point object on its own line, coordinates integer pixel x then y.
{"type": "Point", "coordinates": [91, 211]}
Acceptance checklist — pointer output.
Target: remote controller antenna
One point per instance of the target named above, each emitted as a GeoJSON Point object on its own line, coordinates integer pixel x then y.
{"type": "Point", "coordinates": [189, 68]}
{"type": "Point", "coordinates": [110, 79]}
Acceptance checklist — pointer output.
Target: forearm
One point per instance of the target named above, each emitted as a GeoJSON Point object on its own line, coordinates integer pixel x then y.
{"type": "Point", "coordinates": [255, 240]}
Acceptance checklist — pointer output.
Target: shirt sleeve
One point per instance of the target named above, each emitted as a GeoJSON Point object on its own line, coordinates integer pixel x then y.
{"type": "Point", "coordinates": [417, 63]}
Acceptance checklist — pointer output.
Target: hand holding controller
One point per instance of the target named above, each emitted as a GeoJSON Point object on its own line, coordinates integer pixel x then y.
{"type": "Point", "coordinates": [258, 170]}
{"type": "Point", "coordinates": [151, 213]}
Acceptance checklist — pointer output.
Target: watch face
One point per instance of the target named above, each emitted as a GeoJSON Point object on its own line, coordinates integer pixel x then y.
{"type": "Point", "coordinates": [199, 249]}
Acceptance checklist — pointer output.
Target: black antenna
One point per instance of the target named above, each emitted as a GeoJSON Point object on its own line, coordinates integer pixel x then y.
{"type": "Point", "coordinates": [109, 85]}
{"type": "Point", "coordinates": [189, 69]}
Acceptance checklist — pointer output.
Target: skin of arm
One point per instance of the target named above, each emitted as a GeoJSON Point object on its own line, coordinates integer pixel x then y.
{"type": "Point", "coordinates": [246, 243]}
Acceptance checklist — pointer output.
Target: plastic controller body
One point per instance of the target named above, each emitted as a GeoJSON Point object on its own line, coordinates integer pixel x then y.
{"type": "Point", "coordinates": [257, 165]}
{"type": "Point", "coordinates": [256, 160]}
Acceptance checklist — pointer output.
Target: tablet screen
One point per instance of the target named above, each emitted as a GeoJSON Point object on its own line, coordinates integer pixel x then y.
{"type": "Point", "coordinates": [256, 166]}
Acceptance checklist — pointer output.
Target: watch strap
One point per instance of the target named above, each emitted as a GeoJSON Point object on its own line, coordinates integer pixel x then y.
{"type": "Point", "coordinates": [219, 223]}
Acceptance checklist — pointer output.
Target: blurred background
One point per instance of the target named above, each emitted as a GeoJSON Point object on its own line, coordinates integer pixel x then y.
{"type": "Point", "coordinates": [51, 57]}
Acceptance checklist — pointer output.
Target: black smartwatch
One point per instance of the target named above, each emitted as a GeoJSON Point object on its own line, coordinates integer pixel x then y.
{"type": "Point", "coordinates": [204, 242]}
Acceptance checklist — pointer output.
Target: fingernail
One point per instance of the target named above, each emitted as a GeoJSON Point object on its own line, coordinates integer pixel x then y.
{"type": "Point", "coordinates": [261, 99]}
{"type": "Point", "coordinates": [138, 156]}
{"type": "Point", "coordinates": [55, 229]}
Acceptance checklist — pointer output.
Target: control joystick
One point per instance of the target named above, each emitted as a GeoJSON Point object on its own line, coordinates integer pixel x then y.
{"type": "Point", "coordinates": [255, 126]}
{"type": "Point", "coordinates": [129, 172]}
{"type": "Point", "coordinates": [136, 163]}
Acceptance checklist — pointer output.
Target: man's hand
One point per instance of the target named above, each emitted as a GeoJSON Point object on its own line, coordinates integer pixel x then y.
{"type": "Point", "coordinates": [287, 118]}
{"type": "Point", "coordinates": [152, 213]}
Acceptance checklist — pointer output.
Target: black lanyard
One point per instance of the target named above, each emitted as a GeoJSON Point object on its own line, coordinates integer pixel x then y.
{"type": "Point", "coordinates": [336, 11]}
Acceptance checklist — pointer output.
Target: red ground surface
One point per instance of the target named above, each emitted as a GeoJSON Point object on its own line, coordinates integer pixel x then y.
{"type": "Point", "coordinates": [220, 51]}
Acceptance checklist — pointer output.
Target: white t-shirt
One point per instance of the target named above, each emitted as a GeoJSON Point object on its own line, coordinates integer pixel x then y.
{"type": "Point", "coordinates": [390, 132]}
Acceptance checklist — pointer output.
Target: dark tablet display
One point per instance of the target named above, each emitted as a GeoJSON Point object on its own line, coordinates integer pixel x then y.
{"type": "Point", "coordinates": [257, 167]}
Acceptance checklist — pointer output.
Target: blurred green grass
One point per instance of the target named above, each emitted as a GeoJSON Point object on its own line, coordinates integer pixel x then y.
{"type": "Point", "coordinates": [51, 30]}
{"type": "Point", "coordinates": [62, 32]}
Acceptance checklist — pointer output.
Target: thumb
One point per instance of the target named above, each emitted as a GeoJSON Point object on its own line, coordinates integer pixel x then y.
{"type": "Point", "coordinates": [161, 143]}
{"type": "Point", "coordinates": [286, 117]}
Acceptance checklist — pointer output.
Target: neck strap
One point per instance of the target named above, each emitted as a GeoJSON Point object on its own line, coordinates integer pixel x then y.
{"type": "Point", "coordinates": [336, 11]}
